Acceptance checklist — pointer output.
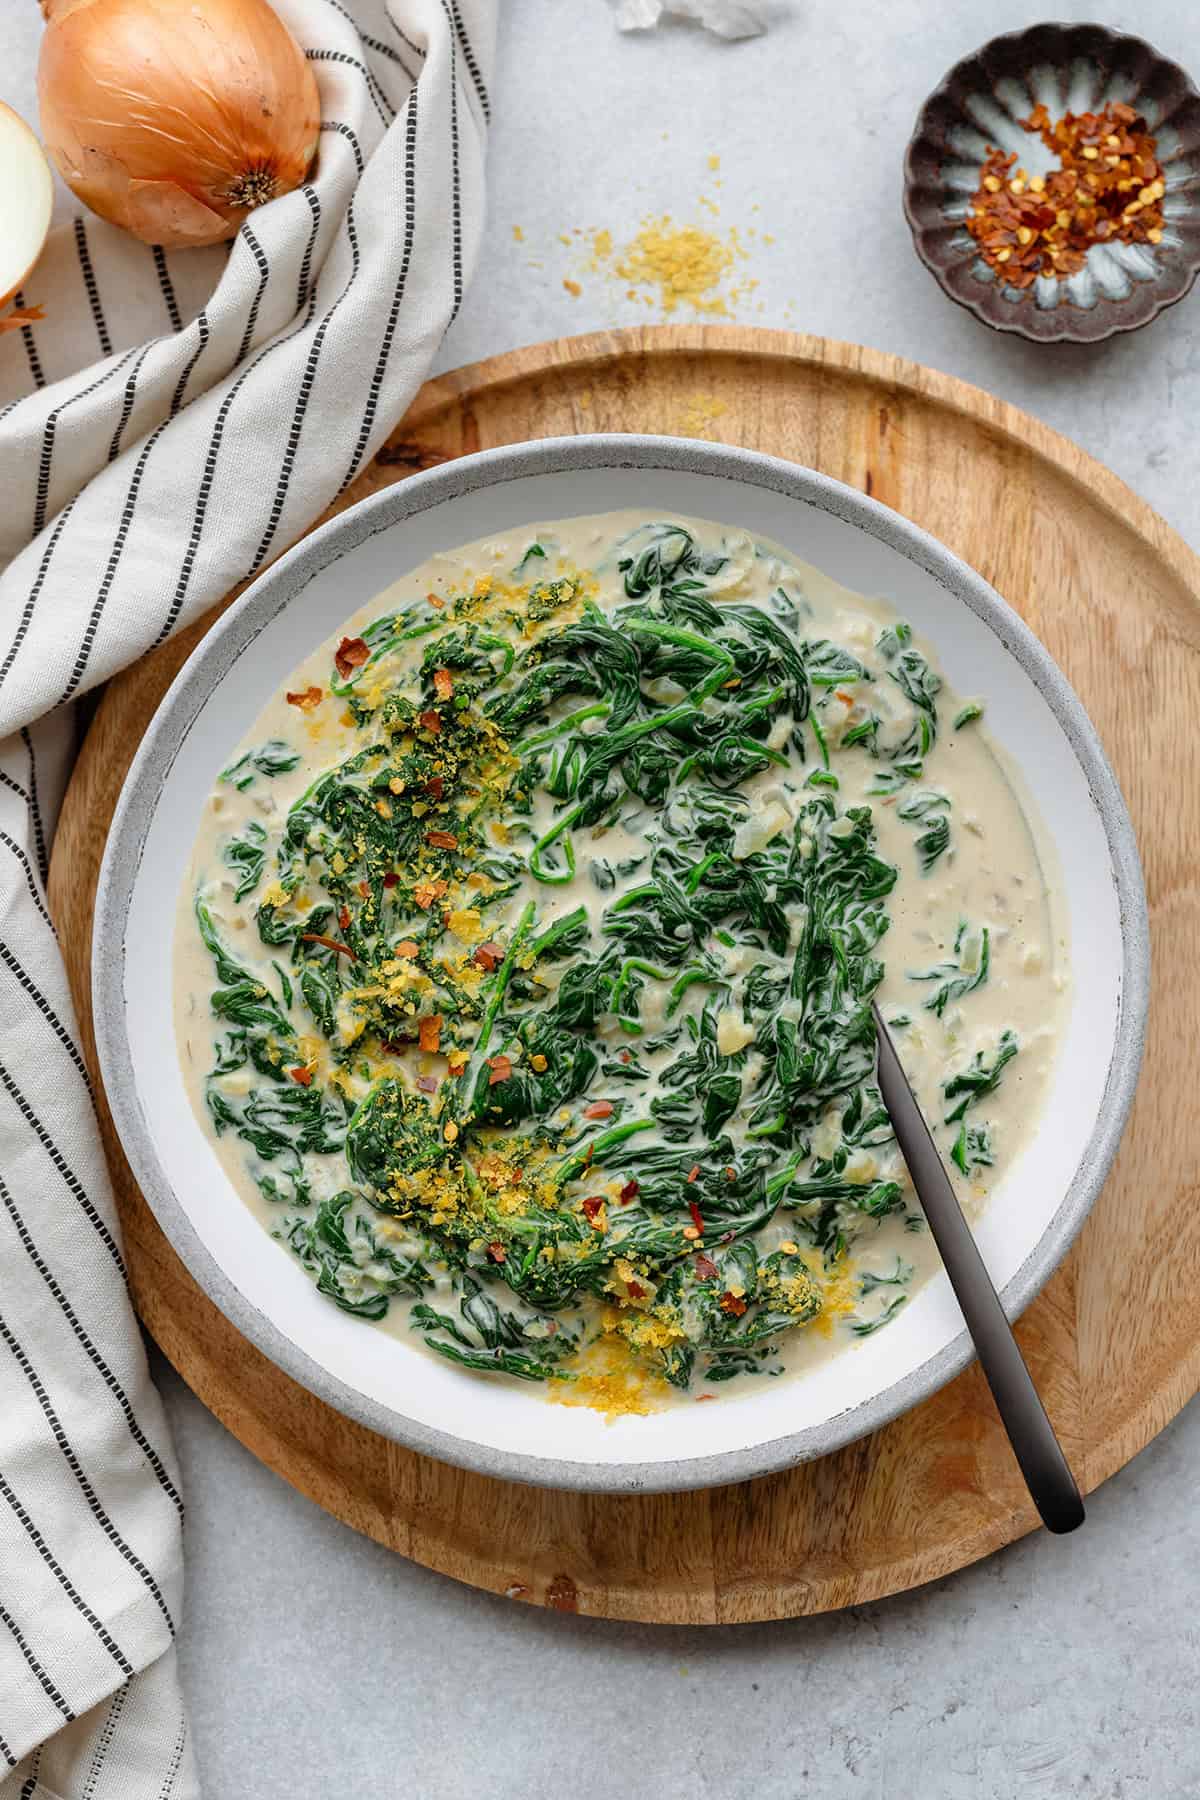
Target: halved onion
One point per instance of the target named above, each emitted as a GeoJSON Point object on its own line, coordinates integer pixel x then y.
{"type": "Point", "coordinates": [26, 201]}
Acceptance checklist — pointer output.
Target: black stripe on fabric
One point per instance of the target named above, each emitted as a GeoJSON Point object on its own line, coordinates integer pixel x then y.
{"type": "Point", "coordinates": [455, 188]}
{"type": "Point", "coordinates": [410, 198]}
{"type": "Point", "coordinates": [194, 358]}
{"type": "Point", "coordinates": [16, 787]}
{"type": "Point", "coordinates": [85, 1487]}
{"type": "Point", "coordinates": [404, 37]}
{"type": "Point", "coordinates": [306, 263]}
{"type": "Point", "coordinates": [307, 381]}
{"type": "Point", "coordinates": [210, 461]}
{"type": "Point", "coordinates": [114, 449]}
{"type": "Point", "coordinates": [90, 1351]}
{"type": "Point", "coordinates": [168, 291]}
{"type": "Point", "coordinates": [96, 1766]}
{"type": "Point", "coordinates": [345, 131]}
{"type": "Point", "coordinates": [264, 273]}
{"type": "Point", "coordinates": [89, 282]}
{"type": "Point", "coordinates": [71, 1181]}
{"type": "Point", "coordinates": [386, 111]}
{"type": "Point", "coordinates": [64, 1580]}
{"type": "Point", "coordinates": [18, 852]}
{"type": "Point", "coordinates": [31, 601]}
{"type": "Point", "coordinates": [110, 574]}
{"type": "Point", "coordinates": [42, 499]}
{"type": "Point", "coordinates": [379, 99]}
{"type": "Point", "coordinates": [39, 999]}
{"type": "Point", "coordinates": [469, 59]}
{"type": "Point", "coordinates": [35, 361]}
{"type": "Point", "coordinates": [27, 1790]}
{"type": "Point", "coordinates": [381, 49]}
{"type": "Point", "coordinates": [176, 1759]}
{"type": "Point", "coordinates": [35, 811]}
{"type": "Point", "coordinates": [7, 1754]}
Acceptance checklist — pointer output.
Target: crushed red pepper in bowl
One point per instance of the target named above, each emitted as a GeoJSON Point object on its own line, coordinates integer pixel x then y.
{"type": "Point", "coordinates": [1108, 189]}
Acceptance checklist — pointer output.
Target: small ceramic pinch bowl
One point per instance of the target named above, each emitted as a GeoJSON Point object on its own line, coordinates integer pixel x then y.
{"type": "Point", "coordinates": [980, 105]}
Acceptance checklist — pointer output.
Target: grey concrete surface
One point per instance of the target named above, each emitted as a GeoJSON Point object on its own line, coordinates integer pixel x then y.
{"type": "Point", "coordinates": [318, 1665]}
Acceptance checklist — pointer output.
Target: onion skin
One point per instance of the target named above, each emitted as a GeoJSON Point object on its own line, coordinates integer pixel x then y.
{"type": "Point", "coordinates": [175, 118]}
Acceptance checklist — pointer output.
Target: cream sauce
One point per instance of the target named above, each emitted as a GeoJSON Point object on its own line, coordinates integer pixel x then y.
{"type": "Point", "coordinates": [999, 873]}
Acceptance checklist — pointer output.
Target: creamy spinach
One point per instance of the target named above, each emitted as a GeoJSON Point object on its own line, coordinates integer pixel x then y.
{"type": "Point", "coordinates": [540, 1010]}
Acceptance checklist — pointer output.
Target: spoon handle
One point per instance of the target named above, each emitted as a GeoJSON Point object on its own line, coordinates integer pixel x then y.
{"type": "Point", "coordinates": [1039, 1453]}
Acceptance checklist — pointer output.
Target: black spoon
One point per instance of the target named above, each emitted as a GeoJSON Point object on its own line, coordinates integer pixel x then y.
{"type": "Point", "coordinates": [1037, 1450]}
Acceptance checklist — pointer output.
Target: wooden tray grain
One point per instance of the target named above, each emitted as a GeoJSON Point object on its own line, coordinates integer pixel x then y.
{"type": "Point", "coordinates": [1114, 1341]}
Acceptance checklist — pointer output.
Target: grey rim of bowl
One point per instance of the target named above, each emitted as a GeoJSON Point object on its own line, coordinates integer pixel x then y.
{"type": "Point", "coordinates": [273, 591]}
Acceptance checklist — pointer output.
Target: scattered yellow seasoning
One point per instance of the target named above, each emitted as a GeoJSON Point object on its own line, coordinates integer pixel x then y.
{"type": "Point", "coordinates": [699, 415]}
{"type": "Point", "coordinates": [685, 264]}
{"type": "Point", "coordinates": [518, 235]}
{"type": "Point", "coordinates": [714, 163]}
{"type": "Point", "coordinates": [573, 288]}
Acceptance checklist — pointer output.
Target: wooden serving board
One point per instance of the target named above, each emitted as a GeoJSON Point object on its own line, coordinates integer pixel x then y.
{"type": "Point", "coordinates": [1114, 1341]}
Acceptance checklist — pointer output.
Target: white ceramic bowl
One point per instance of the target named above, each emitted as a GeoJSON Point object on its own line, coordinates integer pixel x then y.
{"type": "Point", "coordinates": [511, 1431]}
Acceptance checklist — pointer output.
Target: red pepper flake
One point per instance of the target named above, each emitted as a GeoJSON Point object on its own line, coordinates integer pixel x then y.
{"type": "Point", "coordinates": [429, 1032]}
{"type": "Point", "coordinates": [635, 1290]}
{"type": "Point", "coordinates": [700, 1397]}
{"type": "Point", "coordinates": [443, 683]}
{"type": "Point", "coordinates": [706, 1268]}
{"type": "Point", "coordinates": [629, 1192]}
{"type": "Point", "coordinates": [427, 1084]}
{"type": "Point", "coordinates": [435, 600]}
{"type": "Point", "coordinates": [350, 654]}
{"type": "Point", "coordinates": [344, 917]}
{"type": "Point", "coordinates": [625, 1056]}
{"type": "Point", "coordinates": [697, 1221]}
{"type": "Point", "coordinates": [391, 879]}
{"type": "Point", "coordinates": [441, 840]}
{"type": "Point", "coordinates": [733, 1304]}
{"type": "Point", "coordinates": [693, 1173]}
{"type": "Point", "coordinates": [406, 947]}
{"type": "Point", "coordinates": [426, 892]}
{"type": "Point", "coordinates": [496, 1252]}
{"type": "Point", "coordinates": [593, 1206]}
{"type": "Point", "coordinates": [435, 787]}
{"type": "Point", "coordinates": [301, 1076]}
{"type": "Point", "coordinates": [599, 1109]}
{"type": "Point", "coordinates": [432, 721]}
{"type": "Point", "coordinates": [314, 937]}
{"type": "Point", "coordinates": [588, 1155]}
{"type": "Point", "coordinates": [500, 1069]}
{"type": "Point", "coordinates": [364, 888]}
{"type": "Point", "coordinates": [731, 1174]}
{"type": "Point", "coordinates": [845, 698]}
{"type": "Point", "coordinates": [310, 697]}
{"type": "Point", "coordinates": [1108, 187]}
{"type": "Point", "coordinates": [489, 956]}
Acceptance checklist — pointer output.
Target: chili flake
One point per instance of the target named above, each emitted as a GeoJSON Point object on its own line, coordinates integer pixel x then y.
{"type": "Point", "coordinates": [443, 683]}
{"type": "Point", "coordinates": [310, 697]}
{"type": "Point", "coordinates": [697, 1221]}
{"type": "Point", "coordinates": [629, 1192]}
{"type": "Point", "coordinates": [733, 1304]}
{"type": "Point", "coordinates": [706, 1268]}
{"type": "Point", "coordinates": [489, 956]}
{"type": "Point", "coordinates": [350, 654]}
{"type": "Point", "coordinates": [391, 879]}
{"type": "Point", "coordinates": [315, 937]}
{"type": "Point", "coordinates": [301, 1076]}
{"type": "Point", "coordinates": [426, 892]}
{"type": "Point", "coordinates": [344, 917]}
{"type": "Point", "coordinates": [1108, 188]}
{"type": "Point", "coordinates": [500, 1068]}
{"type": "Point", "coordinates": [429, 1032]}
{"type": "Point", "coordinates": [593, 1211]}
{"type": "Point", "coordinates": [441, 840]}
{"type": "Point", "coordinates": [430, 720]}
{"type": "Point", "coordinates": [435, 787]}
{"type": "Point", "coordinates": [599, 1109]}
{"type": "Point", "coordinates": [406, 947]}
{"type": "Point", "coordinates": [496, 1252]}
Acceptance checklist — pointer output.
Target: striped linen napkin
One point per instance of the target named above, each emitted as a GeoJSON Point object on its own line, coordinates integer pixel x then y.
{"type": "Point", "coordinates": [175, 422]}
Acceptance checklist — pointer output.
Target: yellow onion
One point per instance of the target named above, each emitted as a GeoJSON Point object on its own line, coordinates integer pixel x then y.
{"type": "Point", "coordinates": [174, 118]}
{"type": "Point", "coordinates": [26, 201]}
